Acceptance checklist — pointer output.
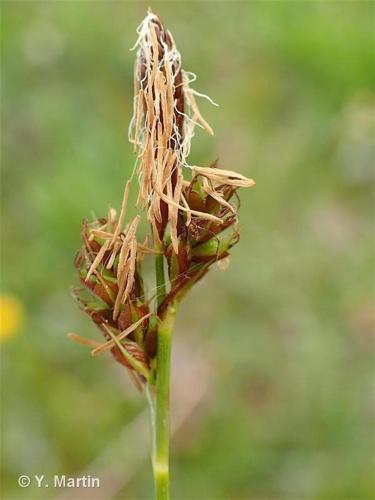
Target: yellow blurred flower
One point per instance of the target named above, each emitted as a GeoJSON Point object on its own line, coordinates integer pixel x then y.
{"type": "Point", "coordinates": [11, 316]}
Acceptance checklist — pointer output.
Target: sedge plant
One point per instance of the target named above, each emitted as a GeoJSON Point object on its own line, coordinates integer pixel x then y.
{"type": "Point", "coordinates": [193, 217]}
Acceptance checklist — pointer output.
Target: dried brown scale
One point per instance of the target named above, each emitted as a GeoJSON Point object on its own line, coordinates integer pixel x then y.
{"type": "Point", "coordinates": [163, 37]}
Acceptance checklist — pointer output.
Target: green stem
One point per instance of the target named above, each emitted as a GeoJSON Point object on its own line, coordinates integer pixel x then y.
{"type": "Point", "coordinates": [161, 448]}
{"type": "Point", "coordinates": [158, 396]}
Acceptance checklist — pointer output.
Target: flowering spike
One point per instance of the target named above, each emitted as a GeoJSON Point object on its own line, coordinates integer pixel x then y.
{"type": "Point", "coordinates": [165, 113]}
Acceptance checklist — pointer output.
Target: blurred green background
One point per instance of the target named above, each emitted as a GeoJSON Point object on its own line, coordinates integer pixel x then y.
{"type": "Point", "coordinates": [278, 349]}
